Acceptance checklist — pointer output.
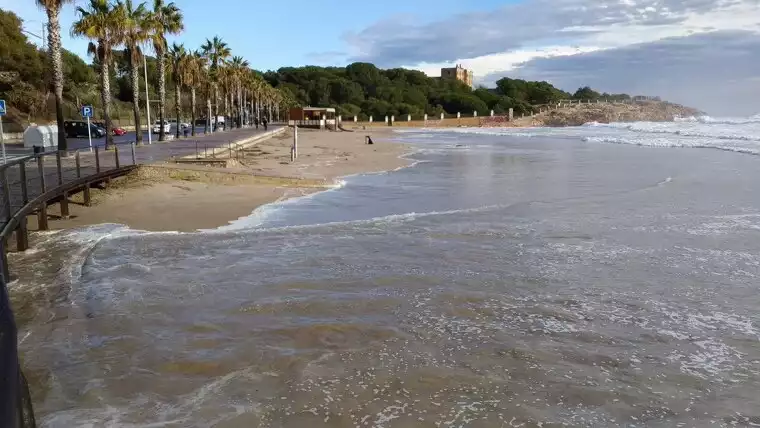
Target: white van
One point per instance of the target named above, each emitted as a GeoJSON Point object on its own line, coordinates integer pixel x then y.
{"type": "Point", "coordinates": [157, 127]}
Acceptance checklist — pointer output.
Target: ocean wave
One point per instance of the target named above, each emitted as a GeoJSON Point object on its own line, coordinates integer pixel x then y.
{"type": "Point", "coordinates": [664, 142]}
{"type": "Point", "coordinates": [720, 120]}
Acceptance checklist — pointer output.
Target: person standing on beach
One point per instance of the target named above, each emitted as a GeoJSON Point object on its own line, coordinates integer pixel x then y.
{"type": "Point", "coordinates": [264, 122]}
{"type": "Point", "coordinates": [256, 122]}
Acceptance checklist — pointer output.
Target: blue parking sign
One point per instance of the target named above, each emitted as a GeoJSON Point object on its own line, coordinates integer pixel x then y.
{"type": "Point", "coordinates": [87, 111]}
{"type": "Point", "coordinates": [2, 107]}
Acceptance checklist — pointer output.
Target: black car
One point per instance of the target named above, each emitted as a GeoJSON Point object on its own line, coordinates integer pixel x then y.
{"type": "Point", "coordinates": [78, 128]}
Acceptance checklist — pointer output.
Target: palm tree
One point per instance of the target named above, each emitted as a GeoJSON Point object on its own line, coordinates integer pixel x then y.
{"type": "Point", "coordinates": [104, 25]}
{"type": "Point", "coordinates": [53, 9]}
{"type": "Point", "coordinates": [216, 52]}
{"type": "Point", "coordinates": [178, 57]}
{"type": "Point", "coordinates": [164, 19]}
{"type": "Point", "coordinates": [135, 34]}
{"type": "Point", "coordinates": [192, 76]}
{"type": "Point", "coordinates": [239, 66]}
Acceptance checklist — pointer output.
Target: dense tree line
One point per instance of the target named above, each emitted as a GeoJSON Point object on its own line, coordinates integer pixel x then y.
{"type": "Point", "coordinates": [364, 90]}
{"type": "Point", "coordinates": [210, 78]}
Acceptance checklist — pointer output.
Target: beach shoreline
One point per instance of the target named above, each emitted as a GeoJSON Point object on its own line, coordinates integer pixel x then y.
{"type": "Point", "coordinates": [167, 197]}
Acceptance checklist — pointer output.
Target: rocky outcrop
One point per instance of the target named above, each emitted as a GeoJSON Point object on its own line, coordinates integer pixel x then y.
{"type": "Point", "coordinates": [578, 114]}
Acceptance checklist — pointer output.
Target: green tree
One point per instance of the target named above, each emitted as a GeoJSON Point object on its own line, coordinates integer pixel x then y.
{"type": "Point", "coordinates": [216, 52]}
{"type": "Point", "coordinates": [164, 19]}
{"type": "Point", "coordinates": [53, 10]}
{"type": "Point", "coordinates": [177, 56]}
{"type": "Point", "coordinates": [136, 32]}
{"type": "Point", "coordinates": [102, 23]}
{"type": "Point", "coordinates": [586, 93]}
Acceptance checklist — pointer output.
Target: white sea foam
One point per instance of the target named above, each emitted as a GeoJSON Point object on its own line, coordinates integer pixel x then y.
{"type": "Point", "coordinates": [740, 135]}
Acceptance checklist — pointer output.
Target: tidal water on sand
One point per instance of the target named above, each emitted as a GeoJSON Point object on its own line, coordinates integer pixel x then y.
{"type": "Point", "coordinates": [500, 281]}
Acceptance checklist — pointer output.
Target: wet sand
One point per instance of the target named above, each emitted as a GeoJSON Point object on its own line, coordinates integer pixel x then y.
{"type": "Point", "coordinates": [196, 197]}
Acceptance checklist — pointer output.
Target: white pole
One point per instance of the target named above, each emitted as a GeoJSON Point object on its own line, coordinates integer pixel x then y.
{"type": "Point", "coordinates": [2, 139]}
{"type": "Point", "coordinates": [147, 99]}
{"type": "Point", "coordinates": [89, 132]}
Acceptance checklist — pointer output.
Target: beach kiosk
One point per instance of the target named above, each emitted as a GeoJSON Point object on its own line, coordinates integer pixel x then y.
{"type": "Point", "coordinates": [313, 117]}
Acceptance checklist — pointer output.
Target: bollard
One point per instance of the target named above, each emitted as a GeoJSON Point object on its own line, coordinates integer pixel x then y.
{"type": "Point", "coordinates": [97, 159]}
{"type": "Point", "coordinates": [295, 141]}
{"type": "Point", "coordinates": [196, 150]}
{"type": "Point", "coordinates": [134, 158]}
{"type": "Point", "coordinates": [229, 146]}
{"type": "Point", "coordinates": [292, 154]}
{"type": "Point", "coordinates": [116, 154]}
{"type": "Point", "coordinates": [79, 165]}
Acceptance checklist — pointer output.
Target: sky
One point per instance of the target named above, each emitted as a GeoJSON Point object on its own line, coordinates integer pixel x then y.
{"type": "Point", "coordinates": [702, 53]}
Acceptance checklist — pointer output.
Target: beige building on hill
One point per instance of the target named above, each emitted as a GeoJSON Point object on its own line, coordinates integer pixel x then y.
{"type": "Point", "coordinates": [457, 73]}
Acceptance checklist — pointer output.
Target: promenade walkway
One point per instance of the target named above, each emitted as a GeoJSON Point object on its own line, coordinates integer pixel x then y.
{"type": "Point", "coordinates": [32, 171]}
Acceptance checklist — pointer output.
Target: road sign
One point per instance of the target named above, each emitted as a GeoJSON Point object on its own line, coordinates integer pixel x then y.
{"type": "Point", "coordinates": [2, 107]}
{"type": "Point", "coordinates": [87, 111]}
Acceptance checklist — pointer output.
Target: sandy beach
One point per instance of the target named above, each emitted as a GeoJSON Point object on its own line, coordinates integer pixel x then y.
{"type": "Point", "coordinates": [171, 197]}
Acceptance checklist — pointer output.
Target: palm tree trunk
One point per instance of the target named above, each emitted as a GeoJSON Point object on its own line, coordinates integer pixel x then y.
{"type": "Point", "coordinates": [134, 69]}
{"type": "Point", "coordinates": [192, 111]}
{"type": "Point", "coordinates": [226, 107]}
{"type": "Point", "coordinates": [105, 98]}
{"type": "Point", "coordinates": [240, 106]}
{"type": "Point", "coordinates": [161, 94]}
{"type": "Point", "coordinates": [216, 105]}
{"type": "Point", "coordinates": [54, 44]}
{"type": "Point", "coordinates": [177, 101]}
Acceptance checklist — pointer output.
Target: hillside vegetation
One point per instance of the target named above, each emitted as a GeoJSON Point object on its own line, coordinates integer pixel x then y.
{"type": "Point", "coordinates": [362, 89]}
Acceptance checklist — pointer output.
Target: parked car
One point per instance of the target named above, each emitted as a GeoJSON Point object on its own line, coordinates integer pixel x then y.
{"type": "Point", "coordinates": [157, 127]}
{"type": "Point", "coordinates": [78, 128]}
{"type": "Point", "coordinates": [184, 125]}
{"type": "Point", "coordinates": [115, 130]}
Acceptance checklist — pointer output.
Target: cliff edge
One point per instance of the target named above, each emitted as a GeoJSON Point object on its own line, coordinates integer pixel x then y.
{"type": "Point", "coordinates": [578, 114]}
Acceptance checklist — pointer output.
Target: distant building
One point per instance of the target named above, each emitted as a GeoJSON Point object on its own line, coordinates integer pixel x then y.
{"type": "Point", "coordinates": [457, 73]}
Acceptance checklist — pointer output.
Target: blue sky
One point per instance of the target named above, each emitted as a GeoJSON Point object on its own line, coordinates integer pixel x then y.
{"type": "Point", "coordinates": [701, 53]}
{"type": "Point", "coordinates": [267, 34]}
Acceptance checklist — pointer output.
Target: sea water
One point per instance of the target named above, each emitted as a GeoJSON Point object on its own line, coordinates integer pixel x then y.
{"type": "Point", "coordinates": [540, 277]}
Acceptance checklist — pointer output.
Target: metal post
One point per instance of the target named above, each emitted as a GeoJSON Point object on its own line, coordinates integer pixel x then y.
{"type": "Point", "coordinates": [6, 194]}
{"type": "Point", "coordinates": [229, 145]}
{"type": "Point", "coordinates": [205, 151]}
{"type": "Point", "coordinates": [97, 160]}
{"type": "Point", "coordinates": [42, 219]}
{"type": "Point", "coordinates": [2, 140]}
{"type": "Point", "coordinates": [58, 168]}
{"type": "Point", "coordinates": [196, 150]}
{"type": "Point", "coordinates": [134, 158]}
{"type": "Point", "coordinates": [24, 190]}
{"type": "Point", "coordinates": [41, 170]}
{"type": "Point", "coordinates": [89, 132]}
{"type": "Point", "coordinates": [116, 154]}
